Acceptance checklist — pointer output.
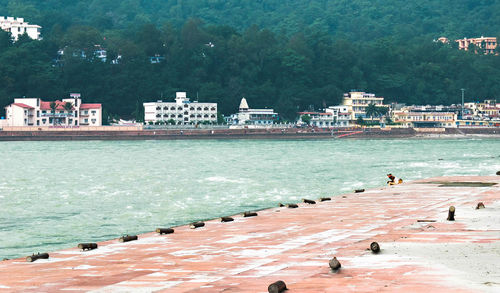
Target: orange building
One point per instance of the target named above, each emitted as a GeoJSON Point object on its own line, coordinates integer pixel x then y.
{"type": "Point", "coordinates": [490, 44]}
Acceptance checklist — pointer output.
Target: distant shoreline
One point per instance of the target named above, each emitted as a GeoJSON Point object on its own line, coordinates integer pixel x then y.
{"type": "Point", "coordinates": [288, 133]}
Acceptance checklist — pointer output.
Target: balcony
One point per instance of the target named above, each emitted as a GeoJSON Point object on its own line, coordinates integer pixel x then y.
{"type": "Point", "coordinates": [57, 115]}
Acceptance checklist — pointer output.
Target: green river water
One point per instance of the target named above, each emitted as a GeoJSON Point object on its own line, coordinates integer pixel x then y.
{"type": "Point", "coordinates": [54, 195]}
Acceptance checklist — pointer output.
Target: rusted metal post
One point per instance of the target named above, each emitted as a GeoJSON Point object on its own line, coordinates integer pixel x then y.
{"type": "Point", "coordinates": [87, 246]}
{"type": "Point", "coordinates": [375, 247]}
{"type": "Point", "coordinates": [164, 230]}
{"type": "Point", "coordinates": [451, 214]}
{"type": "Point", "coordinates": [196, 225]}
{"type": "Point", "coordinates": [277, 287]}
{"type": "Point", "coordinates": [334, 264]}
{"type": "Point", "coordinates": [249, 214]}
{"type": "Point", "coordinates": [128, 238]}
{"type": "Point", "coordinates": [304, 200]}
{"type": "Point", "coordinates": [226, 219]}
{"type": "Point", "coordinates": [34, 257]}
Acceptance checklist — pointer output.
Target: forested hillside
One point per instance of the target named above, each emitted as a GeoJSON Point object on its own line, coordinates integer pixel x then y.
{"type": "Point", "coordinates": [354, 19]}
{"type": "Point", "coordinates": [290, 55]}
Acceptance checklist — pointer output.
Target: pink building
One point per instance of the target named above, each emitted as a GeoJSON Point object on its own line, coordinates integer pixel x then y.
{"type": "Point", "coordinates": [490, 44]}
{"type": "Point", "coordinates": [35, 112]}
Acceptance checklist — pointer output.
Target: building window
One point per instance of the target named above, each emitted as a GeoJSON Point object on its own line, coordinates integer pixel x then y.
{"type": "Point", "coordinates": [93, 121]}
{"type": "Point", "coordinates": [172, 108]}
{"type": "Point", "coordinates": [94, 112]}
{"type": "Point", "coordinates": [86, 120]}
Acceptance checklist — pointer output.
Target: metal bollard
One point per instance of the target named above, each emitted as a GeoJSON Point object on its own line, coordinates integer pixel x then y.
{"type": "Point", "coordinates": [277, 287]}
{"type": "Point", "coordinates": [87, 246]}
{"type": "Point", "coordinates": [304, 200]}
{"type": "Point", "coordinates": [34, 257]}
{"type": "Point", "coordinates": [128, 238]}
{"type": "Point", "coordinates": [375, 247]}
{"type": "Point", "coordinates": [226, 219]}
{"type": "Point", "coordinates": [164, 230]}
{"type": "Point", "coordinates": [334, 264]}
{"type": "Point", "coordinates": [196, 225]}
{"type": "Point", "coordinates": [249, 214]}
{"type": "Point", "coordinates": [451, 214]}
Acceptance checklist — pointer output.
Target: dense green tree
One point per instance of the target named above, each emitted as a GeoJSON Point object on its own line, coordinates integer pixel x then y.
{"type": "Point", "coordinates": [306, 119]}
{"type": "Point", "coordinates": [372, 110]}
{"type": "Point", "coordinates": [53, 106]}
{"type": "Point", "coordinates": [288, 55]}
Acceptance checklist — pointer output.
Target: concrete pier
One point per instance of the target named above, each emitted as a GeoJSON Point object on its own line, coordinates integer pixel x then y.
{"type": "Point", "coordinates": [421, 251]}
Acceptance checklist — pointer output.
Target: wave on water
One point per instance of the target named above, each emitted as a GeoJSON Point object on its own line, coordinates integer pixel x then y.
{"type": "Point", "coordinates": [224, 179]}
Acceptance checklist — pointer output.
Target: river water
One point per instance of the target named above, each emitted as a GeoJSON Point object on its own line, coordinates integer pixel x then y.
{"type": "Point", "coordinates": [54, 195]}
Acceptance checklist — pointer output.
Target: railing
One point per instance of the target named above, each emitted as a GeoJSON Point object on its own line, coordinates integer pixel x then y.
{"type": "Point", "coordinates": [200, 126]}
{"type": "Point", "coordinates": [57, 115]}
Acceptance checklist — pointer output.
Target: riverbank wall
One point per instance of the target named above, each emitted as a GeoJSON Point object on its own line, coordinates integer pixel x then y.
{"type": "Point", "coordinates": [421, 248]}
{"type": "Point", "coordinates": [134, 133]}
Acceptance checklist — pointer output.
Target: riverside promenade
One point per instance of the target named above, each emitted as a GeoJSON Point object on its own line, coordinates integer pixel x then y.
{"type": "Point", "coordinates": [420, 250]}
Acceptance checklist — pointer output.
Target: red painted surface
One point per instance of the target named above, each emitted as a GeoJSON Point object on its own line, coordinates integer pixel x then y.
{"type": "Point", "coordinates": [295, 245]}
{"type": "Point", "coordinates": [23, 105]}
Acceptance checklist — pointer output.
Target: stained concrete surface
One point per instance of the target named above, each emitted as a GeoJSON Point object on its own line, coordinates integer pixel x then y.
{"type": "Point", "coordinates": [295, 245]}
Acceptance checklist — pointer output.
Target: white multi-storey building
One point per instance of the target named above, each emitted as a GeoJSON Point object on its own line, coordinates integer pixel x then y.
{"type": "Point", "coordinates": [35, 112]}
{"type": "Point", "coordinates": [182, 111]}
{"type": "Point", "coordinates": [334, 116]}
{"type": "Point", "coordinates": [252, 116]}
{"type": "Point", "coordinates": [425, 119]}
{"type": "Point", "coordinates": [17, 27]}
{"type": "Point", "coordinates": [357, 102]}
